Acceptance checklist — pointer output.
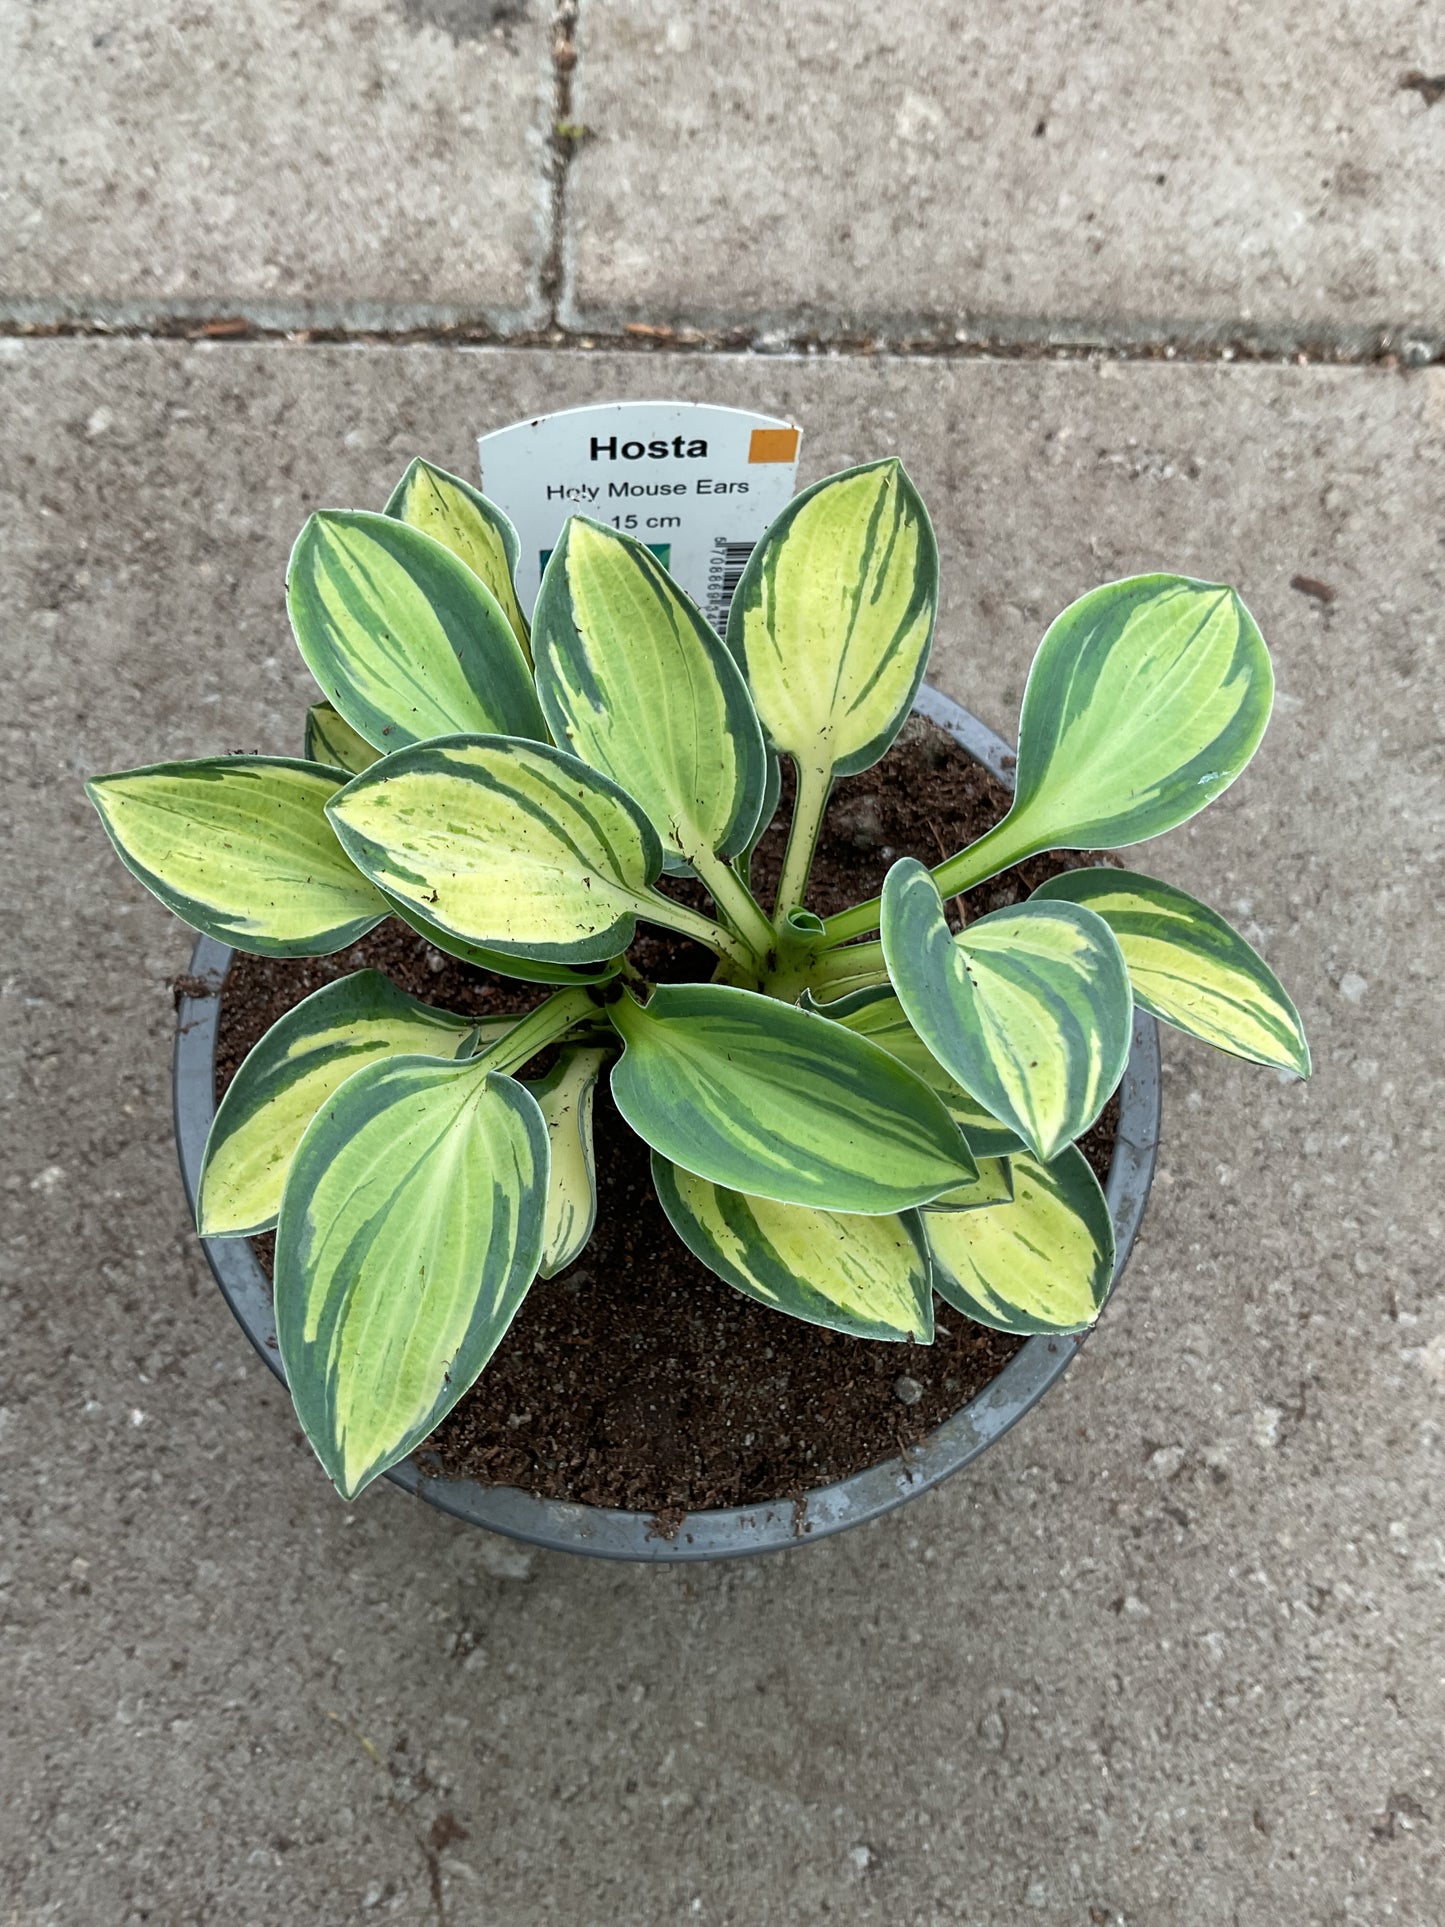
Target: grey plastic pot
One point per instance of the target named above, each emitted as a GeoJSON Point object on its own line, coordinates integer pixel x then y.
{"type": "Point", "coordinates": [606, 1534]}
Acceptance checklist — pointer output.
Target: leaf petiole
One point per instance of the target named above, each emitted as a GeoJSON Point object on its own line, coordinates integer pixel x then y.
{"type": "Point", "coordinates": [837, 972]}
{"type": "Point", "coordinates": [815, 783]}
{"type": "Point", "coordinates": [956, 874]}
{"type": "Point", "coordinates": [657, 908]}
{"type": "Point", "coordinates": [545, 1025]}
{"type": "Point", "coordinates": [738, 904]}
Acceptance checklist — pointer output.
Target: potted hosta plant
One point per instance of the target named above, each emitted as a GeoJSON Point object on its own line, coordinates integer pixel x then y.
{"type": "Point", "coordinates": [847, 1114]}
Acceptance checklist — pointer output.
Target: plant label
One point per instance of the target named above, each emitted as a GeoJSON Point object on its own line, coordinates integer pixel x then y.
{"type": "Point", "coordinates": [697, 484]}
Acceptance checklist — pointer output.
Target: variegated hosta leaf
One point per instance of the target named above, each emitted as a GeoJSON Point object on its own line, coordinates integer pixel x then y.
{"type": "Point", "coordinates": [1029, 1008]}
{"type": "Point", "coordinates": [462, 519]}
{"type": "Point", "coordinates": [634, 682]}
{"type": "Point", "coordinates": [993, 1185]}
{"type": "Point", "coordinates": [411, 1226]}
{"type": "Point", "coordinates": [565, 1095]}
{"type": "Point", "coordinates": [772, 794]}
{"type": "Point", "coordinates": [302, 1059]}
{"type": "Point", "coordinates": [331, 740]}
{"type": "Point", "coordinates": [527, 970]}
{"type": "Point", "coordinates": [1040, 1264]}
{"type": "Point", "coordinates": [765, 1098]}
{"type": "Point", "coordinates": [1145, 700]}
{"type": "Point", "coordinates": [1190, 968]}
{"type": "Point", "coordinates": [240, 848]}
{"type": "Point", "coordinates": [875, 1012]}
{"type": "Point", "coordinates": [868, 1276]}
{"type": "Point", "coordinates": [516, 846]}
{"type": "Point", "coordinates": [834, 614]}
{"type": "Point", "coordinates": [403, 638]}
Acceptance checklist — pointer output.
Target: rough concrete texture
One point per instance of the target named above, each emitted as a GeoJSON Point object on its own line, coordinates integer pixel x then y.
{"type": "Point", "coordinates": [1238, 166]}
{"type": "Point", "coordinates": [1171, 1654]}
{"type": "Point", "coordinates": [274, 156]}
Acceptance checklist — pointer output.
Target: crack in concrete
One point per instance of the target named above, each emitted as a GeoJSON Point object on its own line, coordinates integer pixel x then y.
{"type": "Point", "coordinates": [1010, 340]}
{"type": "Point", "coordinates": [369, 323]}
{"type": "Point", "coordinates": [564, 137]}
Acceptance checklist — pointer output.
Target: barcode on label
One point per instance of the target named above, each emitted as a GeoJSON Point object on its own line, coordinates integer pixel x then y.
{"type": "Point", "coordinates": [725, 569]}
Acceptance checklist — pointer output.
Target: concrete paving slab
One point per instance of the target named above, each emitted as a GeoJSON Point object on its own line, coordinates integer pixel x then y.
{"type": "Point", "coordinates": [1232, 167]}
{"type": "Point", "coordinates": [381, 162]}
{"type": "Point", "coordinates": [1171, 1654]}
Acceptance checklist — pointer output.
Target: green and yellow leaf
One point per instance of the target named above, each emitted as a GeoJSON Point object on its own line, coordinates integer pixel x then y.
{"type": "Point", "coordinates": [1040, 1264]}
{"type": "Point", "coordinates": [764, 1098]}
{"type": "Point", "coordinates": [1190, 968]}
{"type": "Point", "coordinates": [403, 638]}
{"type": "Point", "coordinates": [834, 614]}
{"type": "Point", "coordinates": [462, 519]}
{"type": "Point", "coordinates": [772, 795]}
{"type": "Point", "coordinates": [565, 1096]}
{"type": "Point", "coordinates": [330, 740]}
{"type": "Point", "coordinates": [304, 1057]}
{"type": "Point", "coordinates": [993, 1185]}
{"type": "Point", "coordinates": [527, 970]}
{"type": "Point", "coordinates": [633, 680]}
{"type": "Point", "coordinates": [240, 848]}
{"type": "Point", "coordinates": [411, 1225]}
{"type": "Point", "coordinates": [1029, 1009]}
{"type": "Point", "coordinates": [1147, 698]}
{"type": "Point", "coordinates": [875, 1012]}
{"type": "Point", "coordinates": [513, 845]}
{"type": "Point", "coordinates": [868, 1276]}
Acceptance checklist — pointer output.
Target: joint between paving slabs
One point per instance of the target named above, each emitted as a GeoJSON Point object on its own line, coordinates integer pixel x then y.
{"type": "Point", "coordinates": [565, 137]}
{"type": "Point", "coordinates": [1020, 340]}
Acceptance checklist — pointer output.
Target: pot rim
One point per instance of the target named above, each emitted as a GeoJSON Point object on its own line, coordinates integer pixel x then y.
{"type": "Point", "coordinates": [605, 1532]}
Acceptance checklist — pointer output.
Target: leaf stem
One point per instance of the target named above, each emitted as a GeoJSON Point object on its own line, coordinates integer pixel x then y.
{"type": "Point", "coordinates": [540, 1027]}
{"type": "Point", "coordinates": [856, 922]}
{"type": "Point", "coordinates": [993, 851]}
{"type": "Point", "coordinates": [691, 923]}
{"type": "Point", "coordinates": [836, 972]}
{"type": "Point", "coordinates": [815, 781]}
{"type": "Point", "coordinates": [737, 903]}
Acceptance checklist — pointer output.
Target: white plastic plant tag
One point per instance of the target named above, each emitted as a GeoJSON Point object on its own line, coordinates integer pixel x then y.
{"type": "Point", "coordinates": [697, 484]}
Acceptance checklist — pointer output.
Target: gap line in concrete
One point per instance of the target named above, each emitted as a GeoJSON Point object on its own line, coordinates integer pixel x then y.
{"type": "Point", "coordinates": [381, 325]}
{"type": "Point", "coordinates": [563, 139]}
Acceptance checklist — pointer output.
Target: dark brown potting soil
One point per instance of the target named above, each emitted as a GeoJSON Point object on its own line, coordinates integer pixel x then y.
{"type": "Point", "coordinates": [636, 1378]}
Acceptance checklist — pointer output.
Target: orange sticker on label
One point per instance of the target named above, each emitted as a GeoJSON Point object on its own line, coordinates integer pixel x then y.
{"type": "Point", "coordinates": [773, 445]}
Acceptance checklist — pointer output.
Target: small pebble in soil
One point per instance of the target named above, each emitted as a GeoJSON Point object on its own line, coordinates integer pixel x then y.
{"type": "Point", "coordinates": [907, 1390]}
{"type": "Point", "coordinates": [858, 821]}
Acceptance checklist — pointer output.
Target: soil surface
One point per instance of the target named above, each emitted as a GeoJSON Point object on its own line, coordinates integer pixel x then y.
{"type": "Point", "coordinates": [636, 1378]}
